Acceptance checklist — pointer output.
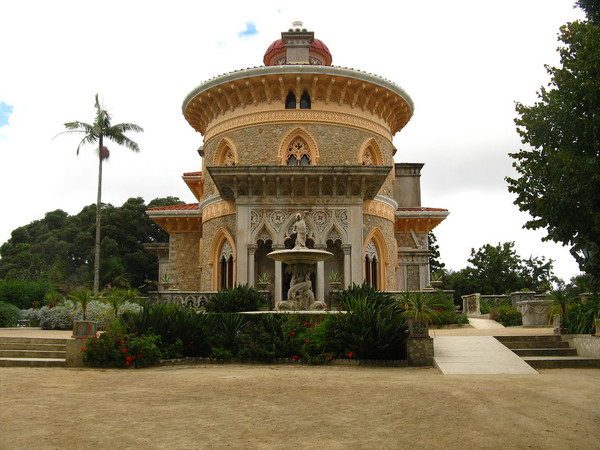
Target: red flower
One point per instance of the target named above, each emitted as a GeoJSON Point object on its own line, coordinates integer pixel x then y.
{"type": "Point", "coordinates": [350, 355]}
{"type": "Point", "coordinates": [293, 333]}
{"type": "Point", "coordinates": [83, 349]}
{"type": "Point", "coordinates": [305, 323]}
{"type": "Point", "coordinates": [140, 356]}
{"type": "Point", "coordinates": [126, 363]}
{"type": "Point", "coordinates": [307, 340]}
{"type": "Point", "coordinates": [330, 356]}
{"type": "Point", "coordinates": [124, 350]}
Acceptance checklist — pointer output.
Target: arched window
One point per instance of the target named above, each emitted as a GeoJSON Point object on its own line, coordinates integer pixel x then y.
{"type": "Point", "coordinates": [225, 154]}
{"type": "Point", "coordinates": [290, 101]}
{"type": "Point", "coordinates": [368, 158]}
{"type": "Point", "coordinates": [371, 265]}
{"type": "Point", "coordinates": [226, 266]}
{"type": "Point", "coordinates": [305, 101]}
{"type": "Point", "coordinates": [298, 153]}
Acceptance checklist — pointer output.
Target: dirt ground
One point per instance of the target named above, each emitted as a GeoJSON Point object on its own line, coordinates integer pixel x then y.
{"type": "Point", "coordinates": [296, 406]}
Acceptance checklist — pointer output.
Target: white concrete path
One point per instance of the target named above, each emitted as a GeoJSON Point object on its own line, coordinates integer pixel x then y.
{"type": "Point", "coordinates": [474, 355]}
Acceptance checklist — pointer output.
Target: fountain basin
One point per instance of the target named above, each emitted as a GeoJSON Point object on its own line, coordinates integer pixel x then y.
{"type": "Point", "coordinates": [300, 255]}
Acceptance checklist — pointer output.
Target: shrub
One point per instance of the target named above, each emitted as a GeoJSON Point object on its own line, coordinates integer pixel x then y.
{"type": "Point", "coordinates": [9, 314]}
{"type": "Point", "coordinates": [375, 297]}
{"type": "Point", "coordinates": [116, 348]}
{"type": "Point", "coordinates": [372, 332]}
{"type": "Point", "coordinates": [582, 315]}
{"type": "Point", "coordinates": [24, 294]}
{"type": "Point", "coordinates": [508, 316]}
{"type": "Point", "coordinates": [239, 299]}
{"type": "Point", "coordinates": [173, 323]}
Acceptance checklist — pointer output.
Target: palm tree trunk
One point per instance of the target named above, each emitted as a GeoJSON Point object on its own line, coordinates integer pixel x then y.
{"type": "Point", "coordinates": [98, 218]}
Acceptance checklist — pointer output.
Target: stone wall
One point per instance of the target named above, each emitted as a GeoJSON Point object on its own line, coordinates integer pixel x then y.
{"type": "Point", "coordinates": [585, 344]}
{"type": "Point", "coordinates": [337, 145]}
{"type": "Point", "coordinates": [420, 351]}
{"type": "Point", "coordinates": [184, 260]}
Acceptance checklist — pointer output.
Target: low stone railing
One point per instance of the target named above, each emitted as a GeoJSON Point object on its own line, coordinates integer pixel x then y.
{"type": "Point", "coordinates": [192, 299]}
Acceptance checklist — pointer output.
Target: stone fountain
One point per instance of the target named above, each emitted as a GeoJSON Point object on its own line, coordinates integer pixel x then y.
{"type": "Point", "coordinates": [300, 261]}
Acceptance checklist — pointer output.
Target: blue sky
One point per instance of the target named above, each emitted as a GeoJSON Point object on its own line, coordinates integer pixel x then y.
{"type": "Point", "coordinates": [464, 63]}
{"type": "Point", "coordinates": [5, 113]}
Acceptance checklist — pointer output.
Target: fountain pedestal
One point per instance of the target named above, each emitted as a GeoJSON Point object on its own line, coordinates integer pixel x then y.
{"type": "Point", "coordinates": [300, 261]}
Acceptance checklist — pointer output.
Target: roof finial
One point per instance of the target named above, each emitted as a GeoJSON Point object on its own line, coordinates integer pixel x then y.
{"type": "Point", "coordinates": [297, 24]}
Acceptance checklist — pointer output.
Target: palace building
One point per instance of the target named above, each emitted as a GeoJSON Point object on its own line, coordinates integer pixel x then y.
{"type": "Point", "coordinates": [298, 135]}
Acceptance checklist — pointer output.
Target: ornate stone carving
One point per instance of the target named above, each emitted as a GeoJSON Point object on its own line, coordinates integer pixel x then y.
{"type": "Point", "coordinates": [380, 209]}
{"type": "Point", "coordinates": [304, 115]}
{"type": "Point", "coordinates": [218, 209]}
{"type": "Point", "coordinates": [277, 218]}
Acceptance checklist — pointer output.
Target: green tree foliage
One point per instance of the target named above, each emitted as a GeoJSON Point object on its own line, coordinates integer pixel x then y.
{"type": "Point", "coordinates": [558, 181]}
{"type": "Point", "coordinates": [498, 269]}
{"type": "Point", "coordinates": [60, 248]}
{"type": "Point", "coordinates": [435, 263]}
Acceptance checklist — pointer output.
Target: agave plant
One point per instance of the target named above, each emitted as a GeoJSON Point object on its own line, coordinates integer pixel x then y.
{"type": "Point", "coordinates": [416, 306]}
{"type": "Point", "coordinates": [118, 297]}
{"type": "Point", "coordinates": [82, 298]}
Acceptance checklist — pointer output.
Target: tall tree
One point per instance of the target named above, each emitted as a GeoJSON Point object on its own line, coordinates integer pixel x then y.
{"type": "Point", "coordinates": [558, 181]}
{"type": "Point", "coordinates": [96, 133]}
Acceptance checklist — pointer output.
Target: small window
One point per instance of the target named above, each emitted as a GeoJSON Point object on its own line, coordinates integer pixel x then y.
{"type": "Point", "coordinates": [290, 101]}
{"type": "Point", "coordinates": [305, 101]}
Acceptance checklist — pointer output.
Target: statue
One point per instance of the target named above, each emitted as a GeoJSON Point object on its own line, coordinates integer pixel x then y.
{"type": "Point", "coordinates": [300, 229]}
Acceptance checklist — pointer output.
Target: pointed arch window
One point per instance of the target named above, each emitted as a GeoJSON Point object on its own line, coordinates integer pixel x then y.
{"type": "Point", "coordinates": [290, 101]}
{"type": "Point", "coordinates": [371, 265]}
{"type": "Point", "coordinates": [305, 100]}
{"type": "Point", "coordinates": [298, 153]}
{"type": "Point", "coordinates": [368, 158]}
{"type": "Point", "coordinates": [226, 266]}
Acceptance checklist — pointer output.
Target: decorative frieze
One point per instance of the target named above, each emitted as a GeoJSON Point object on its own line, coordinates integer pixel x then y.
{"type": "Point", "coordinates": [295, 116]}
{"type": "Point", "coordinates": [218, 209]}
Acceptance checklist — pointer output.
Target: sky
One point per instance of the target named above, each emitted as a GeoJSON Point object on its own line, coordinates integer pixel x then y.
{"type": "Point", "coordinates": [464, 63]}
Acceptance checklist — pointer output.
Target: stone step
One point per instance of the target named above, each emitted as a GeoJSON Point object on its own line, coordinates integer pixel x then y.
{"type": "Point", "coordinates": [564, 362]}
{"type": "Point", "coordinates": [535, 344]}
{"type": "Point", "coordinates": [32, 340]}
{"type": "Point", "coordinates": [34, 346]}
{"type": "Point", "coordinates": [26, 353]}
{"type": "Point", "coordinates": [32, 362]}
{"type": "Point", "coordinates": [549, 337]}
{"type": "Point", "coordinates": [545, 351]}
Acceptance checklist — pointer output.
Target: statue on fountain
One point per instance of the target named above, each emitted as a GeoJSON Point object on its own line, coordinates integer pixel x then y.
{"type": "Point", "coordinates": [300, 260]}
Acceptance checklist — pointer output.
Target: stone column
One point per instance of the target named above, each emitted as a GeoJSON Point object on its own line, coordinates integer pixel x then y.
{"type": "Point", "coordinates": [251, 270]}
{"type": "Point", "coordinates": [278, 276]}
{"type": "Point", "coordinates": [243, 232]}
{"type": "Point", "coordinates": [355, 234]}
{"type": "Point", "coordinates": [320, 276]}
{"type": "Point", "coordinates": [347, 248]}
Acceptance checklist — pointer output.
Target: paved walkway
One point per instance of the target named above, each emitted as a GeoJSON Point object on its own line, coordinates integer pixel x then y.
{"type": "Point", "coordinates": [474, 350]}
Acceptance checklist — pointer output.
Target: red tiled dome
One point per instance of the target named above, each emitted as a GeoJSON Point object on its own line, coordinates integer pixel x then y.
{"type": "Point", "coordinates": [278, 47]}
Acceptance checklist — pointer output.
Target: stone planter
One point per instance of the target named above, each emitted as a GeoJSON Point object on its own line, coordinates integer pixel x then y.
{"type": "Point", "coordinates": [418, 328]}
{"type": "Point", "coordinates": [436, 284]}
{"type": "Point", "coordinates": [335, 285]}
{"type": "Point", "coordinates": [597, 324]}
{"type": "Point", "coordinates": [84, 329]}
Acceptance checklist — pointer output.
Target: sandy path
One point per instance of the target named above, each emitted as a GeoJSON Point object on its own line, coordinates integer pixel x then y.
{"type": "Point", "coordinates": [295, 406]}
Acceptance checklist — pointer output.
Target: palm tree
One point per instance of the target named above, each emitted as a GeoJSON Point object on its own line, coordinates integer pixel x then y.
{"type": "Point", "coordinates": [96, 133]}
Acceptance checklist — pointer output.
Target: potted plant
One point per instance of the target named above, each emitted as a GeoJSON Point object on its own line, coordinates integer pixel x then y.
{"type": "Point", "coordinates": [418, 312]}
{"type": "Point", "coordinates": [436, 280]}
{"type": "Point", "coordinates": [335, 280]}
{"type": "Point", "coordinates": [263, 281]}
{"type": "Point", "coordinates": [165, 282]}
{"type": "Point", "coordinates": [83, 329]}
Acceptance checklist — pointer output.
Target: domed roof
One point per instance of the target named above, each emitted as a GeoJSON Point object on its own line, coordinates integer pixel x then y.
{"type": "Point", "coordinates": [278, 48]}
